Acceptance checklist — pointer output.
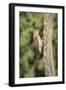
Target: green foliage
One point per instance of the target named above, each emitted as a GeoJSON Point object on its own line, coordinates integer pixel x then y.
{"type": "Point", "coordinates": [31, 62]}
{"type": "Point", "coordinates": [55, 42]}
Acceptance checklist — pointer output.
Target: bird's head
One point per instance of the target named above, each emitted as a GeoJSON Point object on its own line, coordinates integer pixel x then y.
{"type": "Point", "coordinates": [36, 30]}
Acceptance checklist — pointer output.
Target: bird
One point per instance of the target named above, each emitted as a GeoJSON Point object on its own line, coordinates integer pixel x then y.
{"type": "Point", "coordinates": [37, 40]}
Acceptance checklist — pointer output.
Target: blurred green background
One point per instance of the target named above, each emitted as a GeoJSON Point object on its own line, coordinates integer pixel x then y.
{"type": "Point", "coordinates": [31, 62]}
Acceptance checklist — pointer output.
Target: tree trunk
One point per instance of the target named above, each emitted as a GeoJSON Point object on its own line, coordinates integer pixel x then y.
{"type": "Point", "coordinates": [47, 45]}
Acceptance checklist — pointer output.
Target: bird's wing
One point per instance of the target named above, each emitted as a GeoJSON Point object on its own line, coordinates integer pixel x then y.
{"type": "Point", "coordinates": [36, 42]}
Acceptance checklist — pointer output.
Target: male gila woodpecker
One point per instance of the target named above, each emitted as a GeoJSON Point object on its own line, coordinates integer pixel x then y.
{"type": "Point", "coordinates": [37, 40]}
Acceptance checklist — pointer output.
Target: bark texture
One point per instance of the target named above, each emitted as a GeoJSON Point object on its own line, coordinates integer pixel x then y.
{"type": "Point", "coordinates": [47, 45]}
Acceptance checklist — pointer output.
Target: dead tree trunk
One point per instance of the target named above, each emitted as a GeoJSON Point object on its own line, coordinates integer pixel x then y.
{"type": "Point", "coordinates": [47, 45]}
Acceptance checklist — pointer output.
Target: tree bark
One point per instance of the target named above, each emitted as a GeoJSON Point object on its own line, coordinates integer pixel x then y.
{"type": "Point", "coordinates": [47, 45]}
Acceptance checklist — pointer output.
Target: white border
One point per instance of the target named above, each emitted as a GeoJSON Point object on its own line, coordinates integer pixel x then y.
{"type": "Point", "coordinates": [40, 79]}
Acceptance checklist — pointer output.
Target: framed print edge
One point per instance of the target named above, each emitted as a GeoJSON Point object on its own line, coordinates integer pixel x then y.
{"type": "Point", "coordinates": [63, 46]}
{"type": "Point", "coordinates": [12, 44]}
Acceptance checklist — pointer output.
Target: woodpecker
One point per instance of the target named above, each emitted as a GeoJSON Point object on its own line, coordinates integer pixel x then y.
{"type": "Point", "coordinates": [37, 40]}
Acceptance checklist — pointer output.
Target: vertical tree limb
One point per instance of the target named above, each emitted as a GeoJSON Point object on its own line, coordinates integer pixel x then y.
{"type": "Point", "coordinates": [47, 45]}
